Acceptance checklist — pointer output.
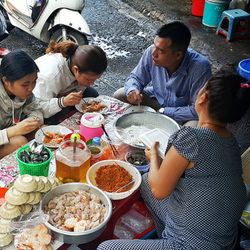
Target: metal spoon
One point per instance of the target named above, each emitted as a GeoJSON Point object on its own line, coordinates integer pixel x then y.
{"type": "Point", "coordinates": [124, 186]}
{"type": "Point", "coordinates": [85, 101]}
{"type": "Point", "coordinates": [45, 133]}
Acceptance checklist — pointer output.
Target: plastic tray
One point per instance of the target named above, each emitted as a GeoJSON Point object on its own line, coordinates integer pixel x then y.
{"type": "Point", "coordinates": [156, 135]}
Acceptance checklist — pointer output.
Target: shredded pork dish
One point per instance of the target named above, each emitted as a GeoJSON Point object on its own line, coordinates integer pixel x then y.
{"type": "Point", "coordinates": [111, 177]}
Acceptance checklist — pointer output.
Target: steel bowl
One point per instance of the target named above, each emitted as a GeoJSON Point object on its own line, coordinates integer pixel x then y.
{"type": "Point", "coordinates": [141, 108]}
{"type": "Point", "coordinates": [148, 119]}
{"type": "Point", "coordinates": [77, 238]}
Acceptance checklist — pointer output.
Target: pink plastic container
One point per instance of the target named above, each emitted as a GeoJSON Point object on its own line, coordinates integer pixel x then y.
{"type": "Point", "coordinates": [91, 125]}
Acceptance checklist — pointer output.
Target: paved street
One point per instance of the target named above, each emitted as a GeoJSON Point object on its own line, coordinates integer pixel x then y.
{"type": "Point", "coordinates": [124, 29]}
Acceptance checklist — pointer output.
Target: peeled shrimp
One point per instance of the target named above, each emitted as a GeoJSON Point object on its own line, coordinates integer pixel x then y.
{"type": "Point", "coordinates": [78, 210]}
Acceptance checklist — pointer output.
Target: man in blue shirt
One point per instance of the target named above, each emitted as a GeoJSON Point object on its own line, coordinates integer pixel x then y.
{"type": "Point", "coordinates": [169, 76]}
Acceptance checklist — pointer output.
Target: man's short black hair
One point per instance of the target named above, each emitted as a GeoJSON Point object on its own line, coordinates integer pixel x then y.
{"type": "Point", "coordinates": [178, 32]}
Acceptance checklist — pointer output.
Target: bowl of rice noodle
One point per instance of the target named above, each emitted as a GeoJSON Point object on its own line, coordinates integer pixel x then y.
{"type": "Point", "coordinates": [129, 127]}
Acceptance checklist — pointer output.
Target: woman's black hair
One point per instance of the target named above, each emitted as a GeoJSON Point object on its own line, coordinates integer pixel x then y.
{"type": "Point", "coordinates": [229, 96]}
{"type": "Point", "coordinates": [17, 64]}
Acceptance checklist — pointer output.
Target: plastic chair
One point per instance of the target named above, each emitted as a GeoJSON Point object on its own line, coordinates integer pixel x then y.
{"type": "Point", "coordinates": [234, 23]}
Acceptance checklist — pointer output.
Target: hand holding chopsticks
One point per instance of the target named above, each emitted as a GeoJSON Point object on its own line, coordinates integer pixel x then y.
{"type": "Point", "coordinates": [114, 150]}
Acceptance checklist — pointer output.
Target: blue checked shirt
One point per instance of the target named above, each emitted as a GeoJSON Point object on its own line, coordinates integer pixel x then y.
{"type": "Point", "coordinates": [178, 93]}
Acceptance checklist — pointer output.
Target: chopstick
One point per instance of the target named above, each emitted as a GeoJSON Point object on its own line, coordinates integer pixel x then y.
{"type": "Point", "coordinates": [113, 148]}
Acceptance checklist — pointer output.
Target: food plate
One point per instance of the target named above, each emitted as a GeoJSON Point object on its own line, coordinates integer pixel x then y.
{"type": "Point", "coordinates": [52, 129]}
{"type": "Point", "coordinates": [95, 108]}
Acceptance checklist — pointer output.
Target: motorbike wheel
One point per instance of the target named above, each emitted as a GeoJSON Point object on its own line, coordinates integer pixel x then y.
{"type": "Point", "coordinates": [72, 35]}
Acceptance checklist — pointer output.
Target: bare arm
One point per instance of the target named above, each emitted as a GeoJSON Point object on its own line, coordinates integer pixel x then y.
{"type": "Point", "coordinates": [22, 128]}
{"type": "Point", "coordinates": [164, 176]}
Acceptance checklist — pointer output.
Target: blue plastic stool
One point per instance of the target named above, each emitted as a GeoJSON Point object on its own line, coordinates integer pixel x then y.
{"type": "Point", "coordinates": [234, 23]}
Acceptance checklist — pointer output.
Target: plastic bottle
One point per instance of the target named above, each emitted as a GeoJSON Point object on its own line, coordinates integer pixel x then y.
{"type": "Point", "coordinates": [96, 150]}
{"type": "Point", "coordinates": [96, 141]}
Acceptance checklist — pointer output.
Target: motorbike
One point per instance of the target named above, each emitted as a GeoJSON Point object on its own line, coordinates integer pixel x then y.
{"type": "Point", "coordinates": [3, 34]}
{"type": "Point", "coordinates": [48, 19]}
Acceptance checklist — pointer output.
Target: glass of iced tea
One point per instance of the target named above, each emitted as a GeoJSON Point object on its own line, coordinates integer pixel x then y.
{"type": "Point", "coordinates": [72, 165]}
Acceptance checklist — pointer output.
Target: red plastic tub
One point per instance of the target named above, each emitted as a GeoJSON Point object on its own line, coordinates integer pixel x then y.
{"type": "Point", "coordinates": [198, 7]}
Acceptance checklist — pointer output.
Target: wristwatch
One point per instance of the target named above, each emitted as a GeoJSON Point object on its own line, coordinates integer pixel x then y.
{"type": "Point", "coordinates": [161, 110]}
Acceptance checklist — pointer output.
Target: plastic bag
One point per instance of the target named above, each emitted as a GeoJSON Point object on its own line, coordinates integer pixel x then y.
{"type": "Point", "coordinates": [238, 4]}
{"type": "Point", "coordinates": [30, 232]}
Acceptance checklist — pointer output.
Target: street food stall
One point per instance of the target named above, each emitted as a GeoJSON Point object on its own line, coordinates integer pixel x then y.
{"type": "Point", "coordinates": [115, 153]}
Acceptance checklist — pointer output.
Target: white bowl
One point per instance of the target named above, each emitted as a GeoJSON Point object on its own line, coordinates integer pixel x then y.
{"type": "Point", "coordinates": [134, 172]}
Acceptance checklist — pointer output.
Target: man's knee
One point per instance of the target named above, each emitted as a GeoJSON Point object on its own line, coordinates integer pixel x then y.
{"type": "Point", "coordinates": [120, 94]}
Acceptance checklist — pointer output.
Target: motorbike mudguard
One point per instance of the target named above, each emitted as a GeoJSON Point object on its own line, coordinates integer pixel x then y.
{"type": "Point", "coordinates": [71, 19]}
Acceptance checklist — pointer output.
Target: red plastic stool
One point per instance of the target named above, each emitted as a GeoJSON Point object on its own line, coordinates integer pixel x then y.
{"type": "Point", "coordinates": [234, 23]}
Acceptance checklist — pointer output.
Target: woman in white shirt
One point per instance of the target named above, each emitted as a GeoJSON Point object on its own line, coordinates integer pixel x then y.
{"type": "Point", "coordinates": [66, 73]}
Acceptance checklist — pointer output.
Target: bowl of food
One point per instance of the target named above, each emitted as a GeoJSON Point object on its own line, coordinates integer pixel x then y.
{"type": "Point", "coordinates": [56, 134]}
{"type": "Point", "coordinates": [129, 127]}
{"type": "Point", "coordinates": [111, 175]}
{"type": "Point", "coordinates": [63, 204]}
{"type": "Point", "coordinates": [138, 159]}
